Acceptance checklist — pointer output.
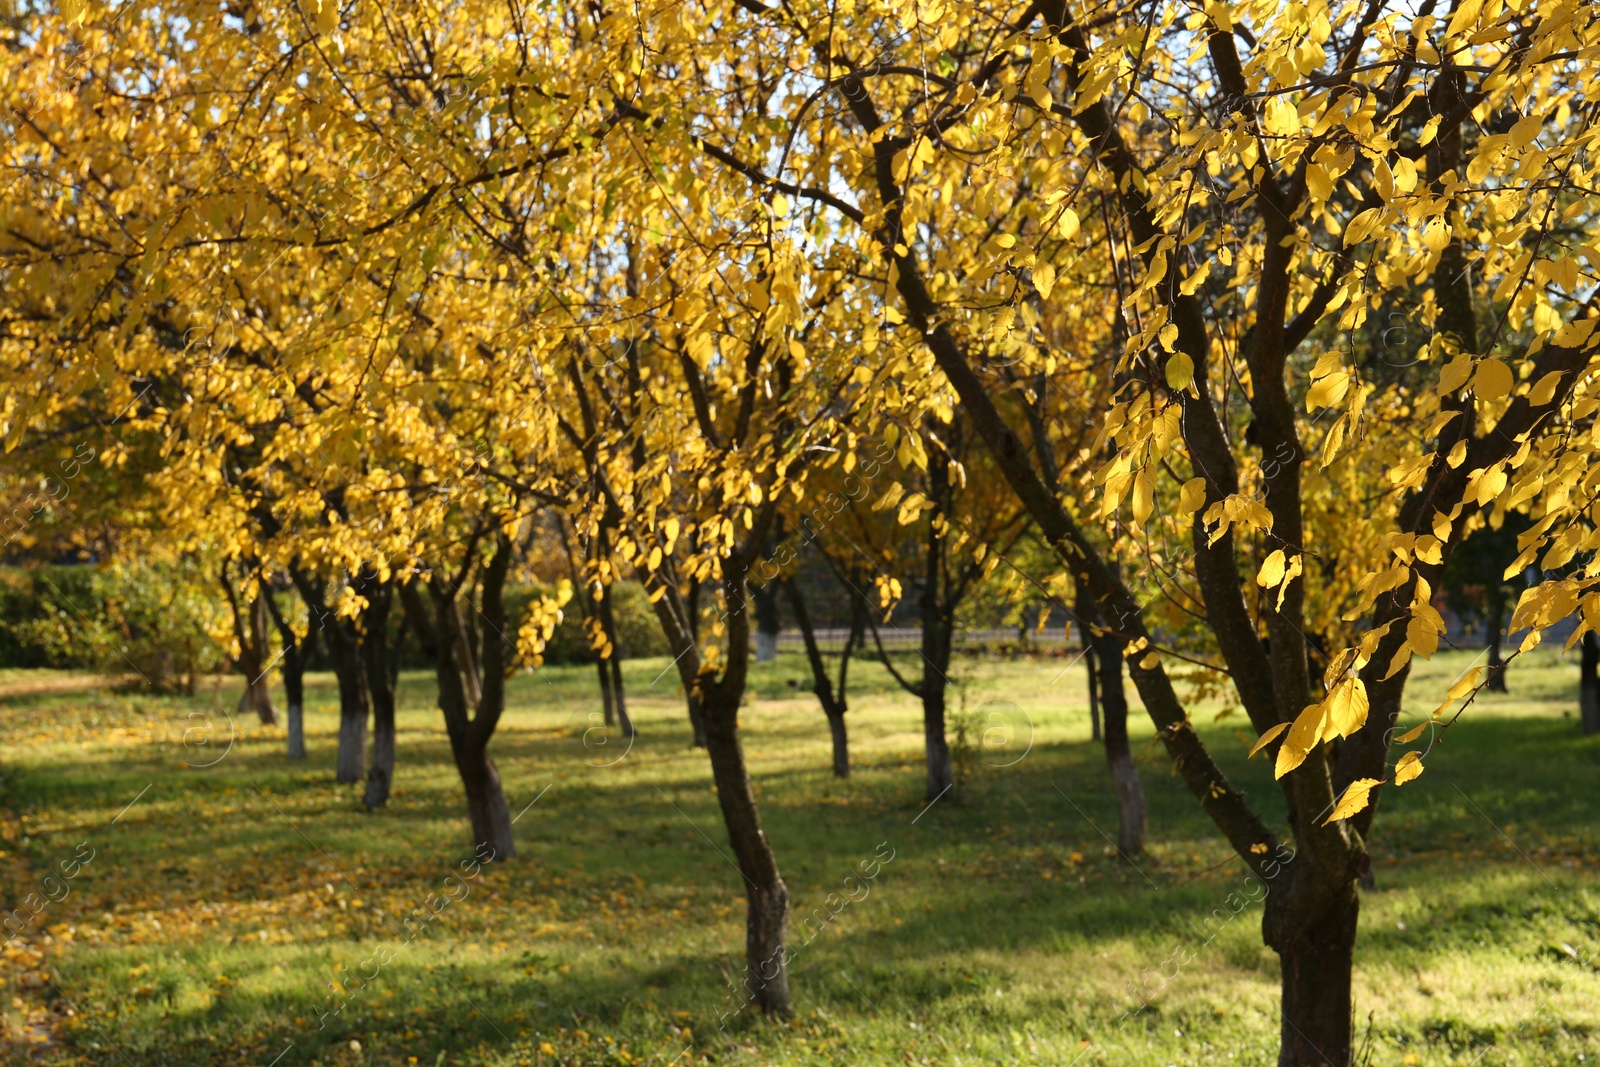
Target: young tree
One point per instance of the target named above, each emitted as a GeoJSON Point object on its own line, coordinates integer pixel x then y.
{"type": "Point", "coordinates": [297, 651]}
{"type": "Point", "coordinates": [254, 641]}
{"type": "Point", "coordinates": [1478, 590]}
{"type": "Point", "coordinates": [833, 697]}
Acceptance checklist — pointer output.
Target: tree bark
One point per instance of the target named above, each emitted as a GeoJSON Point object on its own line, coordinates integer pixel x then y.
{"type": "Point", "coordinates": [345, 648]}
{"type": "Point", "coordinates": [676, 626]}
{"type": "Point", "coordinates": [295, 653]}
{"type": "Point", "coordinates": [260, 689]}
{"type": "Point", "coordinates": [250, 629]}
{"type": "Point", "coordinates": [1119, 755]}
{"type": "Point", "coordinates": [834, 704]}
{"type": "Point", "coordinates": [471, 700]}
{"type": "Point", "coordinates": [765, 598]}
{"type": "Point", "coordinates": [936, 622]}
{"type": "Point", "coordinates": [1083, 608]}
{"type": "Point", "coordinates": [380, 688]}
{"type": "Point", "coordinates": [613, 664]}
{"type": "Point", "coordinates": [766, 896]}
{"type": "Point", "coordinates": [717, 698]}
{"type": "Point", "coordinates": [487, 808]}
{"type": "Point", "coordinates": [1315, 941]}
{"type": "Point", "coordinates": [1589, 683]}
{"type": "Point", "coordinates": [1495, 624]}
{"type": "Point", "coordinates": [606, 701]}
{"type": "Point", "coordinates": [353, 702]}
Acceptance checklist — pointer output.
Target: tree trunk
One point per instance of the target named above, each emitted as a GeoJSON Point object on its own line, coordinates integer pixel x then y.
{"type": "Point", "coordinates": [1094, 693]}
{"type": "Point", "coordinates": [1496, 627]}
{"type": "Point", "coordinates": [260, 689]}
{"type": "Point", "coordinates": [841, 745]}
{"type": "Point", "coordinates": [297, 731]}
{"type": "Point", "coordinates": [380, 688]}
{"type": "Point", "coordinates": [935, 642]}
{"type": "Point", "coordinates": [250, 630]}
{"type": "Point", "coordinates": [1119, 756]}
{"type": "Point", "coordinates": [1316, 951]}
{"type": "Point", "coordinates": [1589, 683]}
{"type": "Point", "coordinates": [624, 720]}
{"type": "Point", "coordinates": [834, 705]}
{"type": "Point", "coordinates": [605, 692]}
{"type": "Point", "coordinates": [486, 803]}
{"type": "Point", "coordinates": [676, 621]}
{"type": "Point", "coordinates": [295, 654]}
{"type": "Point", "coordinates": [619, 703]}
{"type": "Point", "coordinates": [766, 897]}
{"type": "Point", "coordinates": [294, 692]}
{"type": "Point", "coordinates": [353, 704]}
{"type": "Point", "coordinates": [1083, 608]}
{"type": "Point", "coordinates": [941, 775]}
{"type": "Point", "coordinates": [765, 598]}
{"type": "Point", "coordinates": [471, 708]}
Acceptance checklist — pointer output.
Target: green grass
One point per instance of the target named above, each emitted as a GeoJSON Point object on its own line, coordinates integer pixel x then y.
{"type": "Point", "coordinates": [218, 907]}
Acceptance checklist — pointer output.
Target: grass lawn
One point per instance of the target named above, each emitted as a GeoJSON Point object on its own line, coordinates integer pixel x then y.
{"type": "Point", "coordinates": [227, 904]}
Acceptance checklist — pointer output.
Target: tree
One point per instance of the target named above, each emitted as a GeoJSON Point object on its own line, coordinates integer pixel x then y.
{"type": "Point", "coordinates": [1324, 167]}
{"type": "Point", "coordinates": [1477, 588]}
{"type": "Point", "coordinates": [297, 651]}
{"type": "Point", "coordinates": [253, 640]}
{"type": "Point", "coordinates": [833, 698]}
{"type": "Point", "coordinates": [777, 230]}
{"type": "Point", "coordinates": [967, 531]}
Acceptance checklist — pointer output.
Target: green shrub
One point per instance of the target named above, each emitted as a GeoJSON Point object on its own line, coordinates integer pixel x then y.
{"type": "Point", "coordinates": [157, 623]}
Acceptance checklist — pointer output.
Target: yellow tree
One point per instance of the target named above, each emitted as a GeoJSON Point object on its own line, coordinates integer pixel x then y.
{"type": "Point", "coordinates": [1276, 172]}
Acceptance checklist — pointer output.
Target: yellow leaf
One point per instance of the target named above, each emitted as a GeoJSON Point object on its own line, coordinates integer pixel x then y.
{"type": "Point", "coordinates": [1168, 334]}
{"type": "Point", "coordinates": [1574, 333]}
{"type": "Point", "coordinates": [1192, 496]}
{"type": "Point", "coordinates": [1409, 767]}
{"type": "Point", "coordinates": [1193, 281]}
{"type": "Point", "coordinates": [1348, 705]}
{"type": "Point", "coordinates": [1281, 117]}
{"type": "Point", "coordinates": [1149, 661]}
{"type": "Point", "coordinates": [1143, 496]}
{"type": "Point", "coordinates": [1455, 373]}
{"type": "Point", "coordinates": [1067, 225]}
{"type": "Point", "coordinates": [1271, 572]}
{"type": "Point", "coordinates": [1355, 799]}
{"type": "Point", "coordinates": [1267, 738]}
{"type": "Point", "coordinates": [1044, 279]}
{"type": "Point", "coordinates": [1318, 181]}
{"type": "Point", "coordinates": [1464, 18]}
{"type": "Point", "coordinates": [1402, 656]}
{"type": "Point", "coordinates": [1303, 737]}
{"type": "Point", "coordinates": [1180, 370]}
{"type": "Point", "coordinates": [1328, 391]}
{"type": "Point", "coordinates": [1414, 733]}
{"type": "Point", "coordinates": [1289, 575]}
{"type": "Point", "coordinates": [1492, 381]}
{"type": "Point", "coordinates": [1525, 130]}
{"type": "Point", "coordinates": [1545, 389]}
{"type": "Point", "coordinates": [1422, 637]}
{"type": "Point", "coordinates": [1464, 685]}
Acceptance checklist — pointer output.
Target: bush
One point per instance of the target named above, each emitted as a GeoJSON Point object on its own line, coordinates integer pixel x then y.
{"type": "Point", "coordinates": [158, 621]}
{"type": "Point", "coordinates": [638, 632]}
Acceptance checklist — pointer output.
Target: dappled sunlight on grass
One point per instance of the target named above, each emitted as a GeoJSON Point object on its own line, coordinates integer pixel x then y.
{"type": "Point", "coordinates": [233, 902]}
